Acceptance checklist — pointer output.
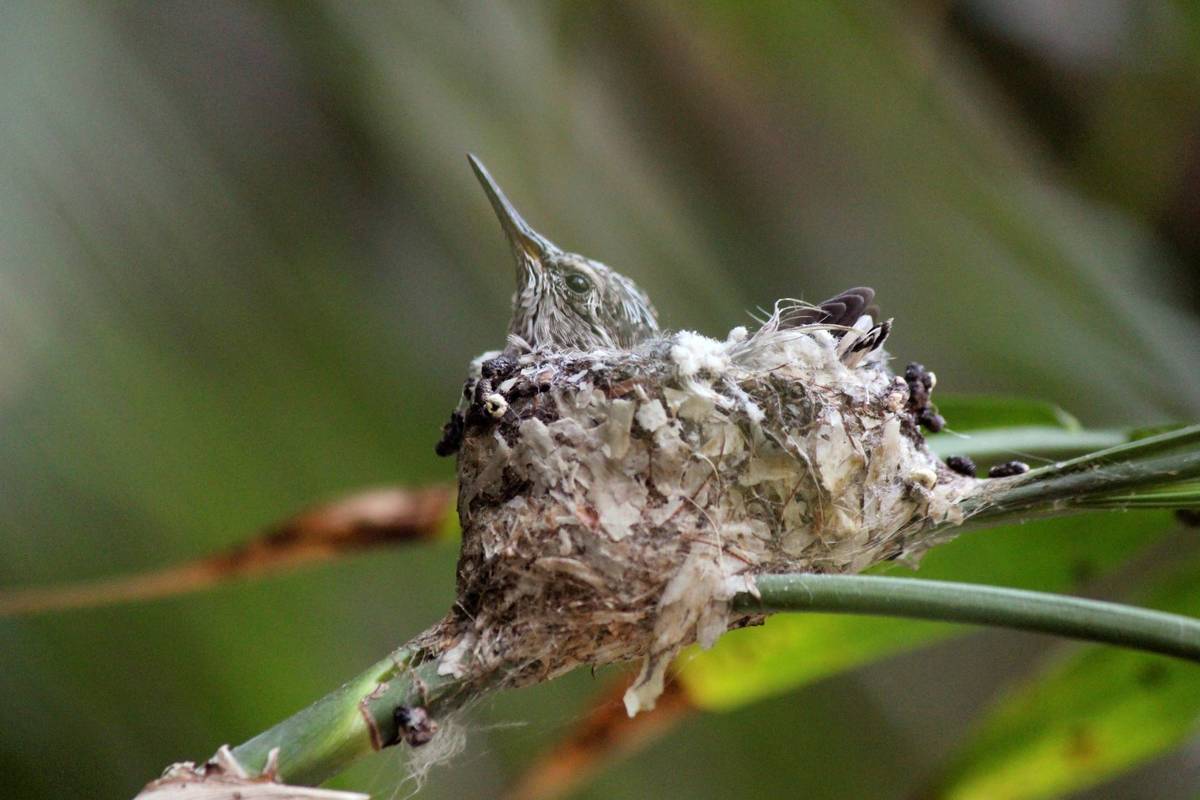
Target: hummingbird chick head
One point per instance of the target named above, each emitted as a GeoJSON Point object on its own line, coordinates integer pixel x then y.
{"type": "Point", "coordinates": [563, 300]}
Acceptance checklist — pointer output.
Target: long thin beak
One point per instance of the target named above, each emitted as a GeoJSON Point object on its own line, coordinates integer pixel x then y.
{"type": "Point", "coordinates": [525, 240]}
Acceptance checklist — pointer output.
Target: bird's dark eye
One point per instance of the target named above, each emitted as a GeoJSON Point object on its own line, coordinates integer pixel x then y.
{"type": "Point", "coordinates": [577, 283]}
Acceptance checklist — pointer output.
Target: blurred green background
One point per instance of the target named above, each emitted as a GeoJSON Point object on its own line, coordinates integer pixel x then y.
{"type": "Point", "coordinates": [243, 265]}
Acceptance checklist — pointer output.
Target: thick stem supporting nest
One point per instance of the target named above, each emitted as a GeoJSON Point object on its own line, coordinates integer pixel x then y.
{"type": "Point", "coordinates": [366, 714]}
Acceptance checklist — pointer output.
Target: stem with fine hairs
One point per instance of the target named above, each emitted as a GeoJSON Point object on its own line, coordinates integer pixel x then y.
{"type": "Point", "coordinates": [1153, 472]}
{"type": "Point", "coordinates": [358, 718]}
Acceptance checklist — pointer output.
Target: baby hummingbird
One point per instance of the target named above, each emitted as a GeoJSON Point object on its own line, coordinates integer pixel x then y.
{"type": "Point", "coordinates": [564, 301]}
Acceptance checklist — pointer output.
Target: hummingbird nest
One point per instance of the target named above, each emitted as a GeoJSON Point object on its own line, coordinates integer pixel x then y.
{"type": "Point", "coordinates": [618, 485]}
{"type": "Point", "coordinates": [613, 502]}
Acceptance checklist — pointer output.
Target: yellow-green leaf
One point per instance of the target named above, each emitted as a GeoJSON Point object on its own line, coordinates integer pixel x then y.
{"type": "Point", "coordinates": [1086, 718]}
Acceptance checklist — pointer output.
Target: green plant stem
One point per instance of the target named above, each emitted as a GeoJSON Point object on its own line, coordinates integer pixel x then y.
{"type": "Point", "coordinates": [1130, 474]}
{"type": "Point", "coordinates": [356, 719]}
{"type": "Point", "coordinates": [1073, 617]}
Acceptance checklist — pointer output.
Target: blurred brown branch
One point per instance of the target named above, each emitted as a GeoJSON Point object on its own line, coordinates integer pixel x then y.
{"type": "Point", "coordinates": [372, 518]}
{"type": "Point", "coordinates": [605, 735]}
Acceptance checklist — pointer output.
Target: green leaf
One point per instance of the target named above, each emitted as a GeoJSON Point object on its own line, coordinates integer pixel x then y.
{"type": "Point", "coordinates": [1027, 441]}
{"type": "Point", "coordinates": [1086, 718]}
{"type": "Point", "coordinates": [791, 650]}
{"type": "Point", "coordinates": [980, 412]}
{"type": "Point", "coordinates": [990, 428]}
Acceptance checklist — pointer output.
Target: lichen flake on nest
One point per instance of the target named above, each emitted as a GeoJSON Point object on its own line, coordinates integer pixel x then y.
{"type": "Point", "coordinates": [613, 502]}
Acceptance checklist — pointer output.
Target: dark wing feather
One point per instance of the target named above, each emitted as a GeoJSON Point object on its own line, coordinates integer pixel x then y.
{"type": "Point", "coordinates": [832, 309]}
{"type": "Point", "coordinates": [845, 309]}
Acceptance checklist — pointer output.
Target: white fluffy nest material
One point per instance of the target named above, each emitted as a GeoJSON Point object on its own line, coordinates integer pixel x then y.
{"type": "Point", "coordinates": [613, 502]}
